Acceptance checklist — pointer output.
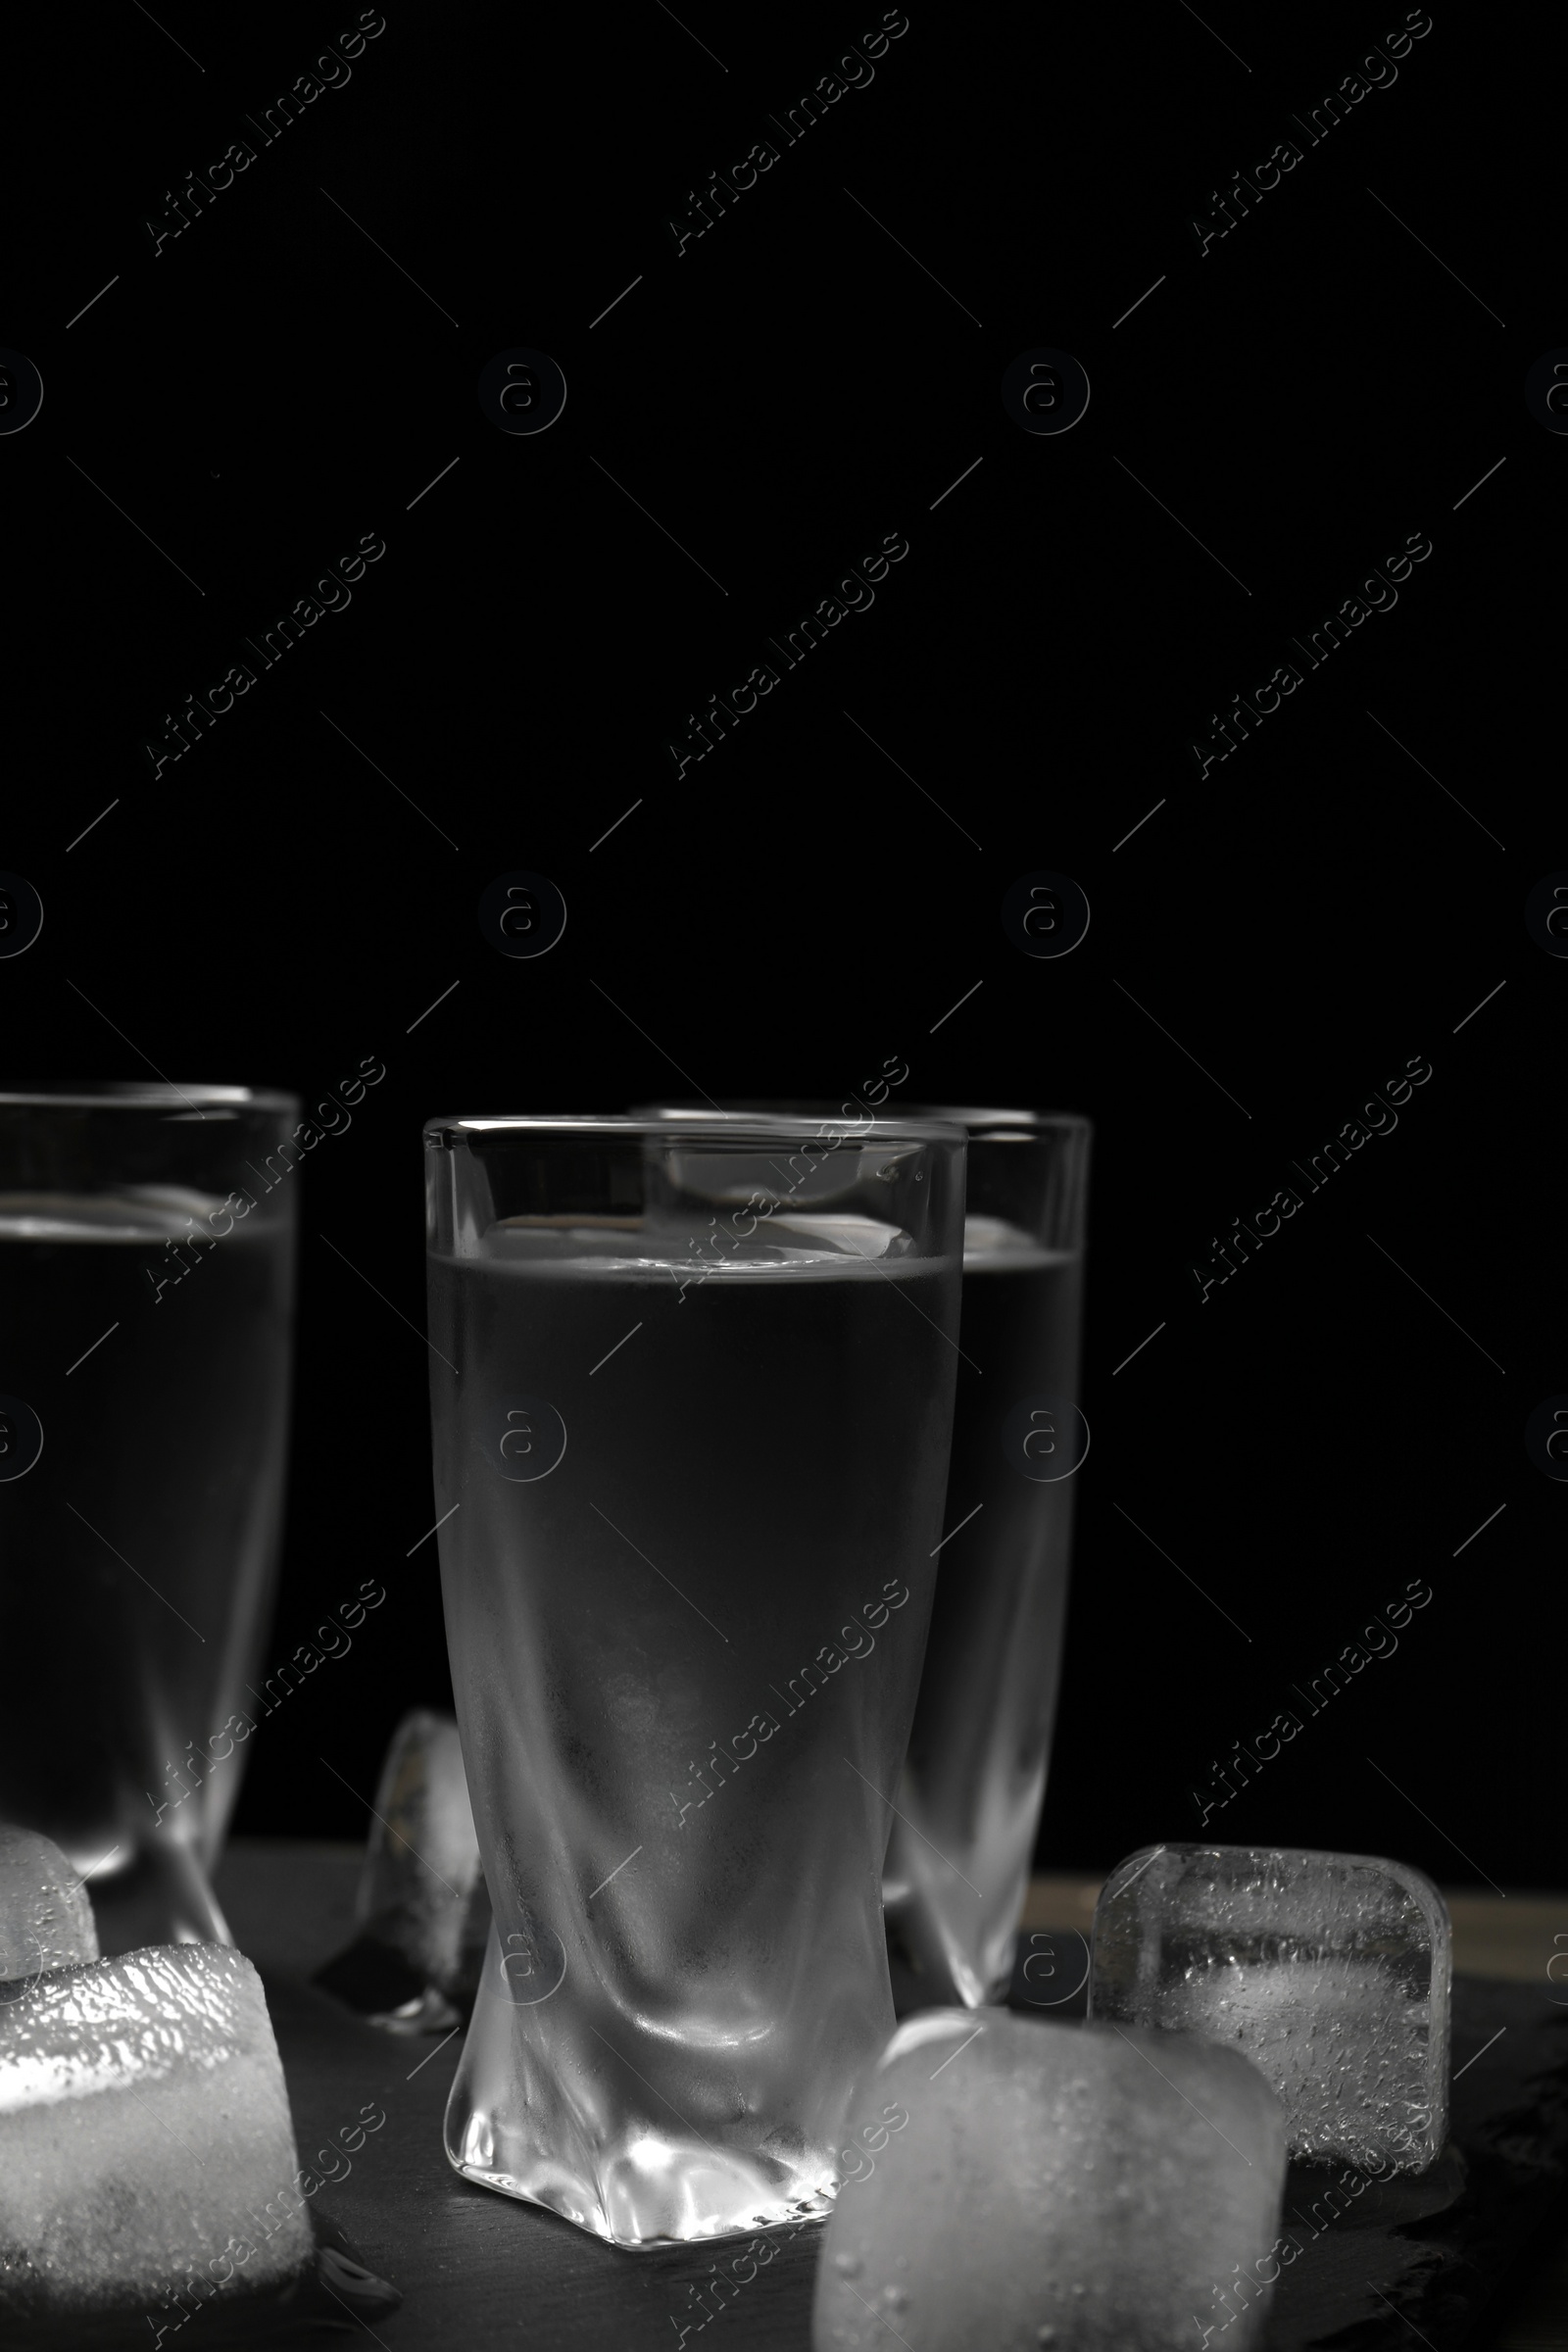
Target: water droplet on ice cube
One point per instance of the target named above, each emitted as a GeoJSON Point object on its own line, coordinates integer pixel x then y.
{"type": "Point", "coordinates": [1330, 1970]}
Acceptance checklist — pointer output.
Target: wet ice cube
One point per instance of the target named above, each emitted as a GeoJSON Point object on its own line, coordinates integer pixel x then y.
{"type": "Point", "coordinates": [45, 1913]}
{"type": "Point", "coordinates": [146, 2150]}
{"type": "Point", "coordinates": [1015, 2183]}
{"type": "Point", "coordinates": [1330, 1970]}
{"type": "Point", "coordinates": [423, 1910]}
{"type": "Point", "coordinates": [422, 1857]}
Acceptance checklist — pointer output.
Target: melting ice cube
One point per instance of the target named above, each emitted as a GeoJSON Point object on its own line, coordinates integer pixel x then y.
{"type": "Point", "coordinates": [423, 1910]}
{"type": "Point", "coordinates": [1022, 2183]}
{"type": "Point", "coordinates": [45, 1914]}
{"type": "Point", "coordinates": [1330, 1970]}
{"type": "Point", "coordinates": [146, 2152]}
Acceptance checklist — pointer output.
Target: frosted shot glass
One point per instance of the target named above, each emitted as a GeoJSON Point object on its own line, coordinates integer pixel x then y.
{"type": "Point", "coordinates": [147, 1240]}
{"type": "Point", "coordinates": [691, 1401]}
{"type": "Point", "coordinates": [974, 1780]}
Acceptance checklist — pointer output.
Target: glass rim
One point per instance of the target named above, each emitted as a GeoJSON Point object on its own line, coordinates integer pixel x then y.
{"type": "Point", "coordinates": [730, 1130]}
{"type": "Point", "coordinates": [134, 1093]}
{"type": "Point", "coordinates": [966, 1118]}
{"type": "Point", "coordinates": [1000, 1125]}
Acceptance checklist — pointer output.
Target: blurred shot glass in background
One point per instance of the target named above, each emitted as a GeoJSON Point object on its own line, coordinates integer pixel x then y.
{"type": "Point", "coordinates": [692, 1396]}
{"type": "Point", "coordinates": [146, 1306]}
{"type": "Point", "coordinates": [974, 1780]}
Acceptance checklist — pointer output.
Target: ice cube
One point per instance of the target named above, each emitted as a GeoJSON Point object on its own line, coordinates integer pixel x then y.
{"type": "Point", "coordinates": [45, 1913]}
{"type": "Point", "coordinates": [1330, 1970]}
{"type": "Point", "coordinates": [1015, 2183]}
{"type": "Point", "coordinates": [146, 2152]}
{"type": "Point", "coordinates": [423, 1910]}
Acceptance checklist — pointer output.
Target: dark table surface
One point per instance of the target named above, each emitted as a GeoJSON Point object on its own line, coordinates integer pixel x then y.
{"type": "Point", "coordinates": [476, 2269]}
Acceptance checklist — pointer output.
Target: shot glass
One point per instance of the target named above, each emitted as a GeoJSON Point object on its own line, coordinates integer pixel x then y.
{"type": "Point", "coordinates": [146, 1302]}
{"type": "Point", "coordinates": [974, 1780]}
{"type": "Point", "coordinates": [691, 1395]}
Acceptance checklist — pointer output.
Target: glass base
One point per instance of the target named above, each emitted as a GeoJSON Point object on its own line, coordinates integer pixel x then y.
{"type": "Point", "coordinates": [952, 1960]}
{"type": "Point", "coordinates": [953, 1889]}
{"type": "Point", "coordinates": [162, 1896]}
{"type": "Point", "coordinates": [673, 2146]}
{"type": "Point", "coordinates": [643, 2207]}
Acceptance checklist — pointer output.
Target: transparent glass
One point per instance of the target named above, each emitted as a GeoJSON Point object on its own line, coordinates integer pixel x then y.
{"type": "Point", "coordinates": [146, 1304]}
{"type": "Point", "coordinates": [691, 1396]}
{"type": "Point", "coordinates": [974, 1780]}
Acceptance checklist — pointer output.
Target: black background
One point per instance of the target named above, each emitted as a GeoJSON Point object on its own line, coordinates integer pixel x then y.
{"type": "Point", "coordinates": [792, 913]}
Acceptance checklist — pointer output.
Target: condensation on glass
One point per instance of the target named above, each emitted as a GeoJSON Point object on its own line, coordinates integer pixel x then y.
{"type": "Point", "coordinates": [691, 1396]}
